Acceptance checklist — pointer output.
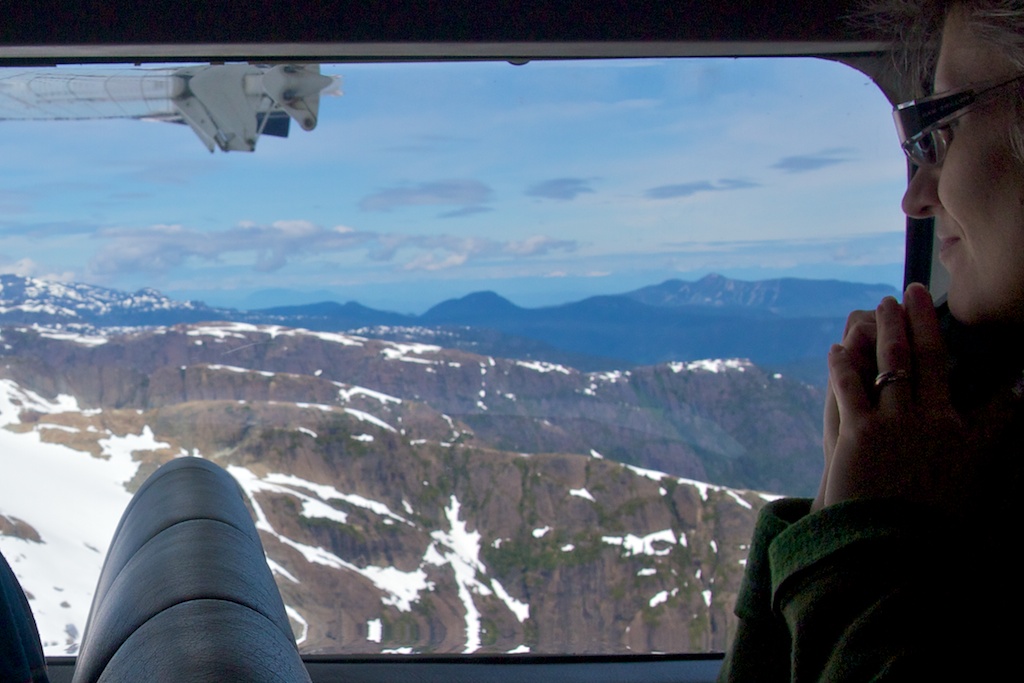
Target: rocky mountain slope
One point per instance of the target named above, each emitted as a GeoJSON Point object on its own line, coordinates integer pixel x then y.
{"type": "Point", "coordinates": [723, 421]}
{"type": "Point", "coordinates": [410, 498]}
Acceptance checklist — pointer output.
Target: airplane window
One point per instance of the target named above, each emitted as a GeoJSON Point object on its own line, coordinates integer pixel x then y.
{"type": "Point", "coordinates": [505, 358]}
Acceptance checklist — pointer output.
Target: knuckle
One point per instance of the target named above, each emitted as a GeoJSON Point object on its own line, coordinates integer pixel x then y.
{"type": "Point", "coordinates": [861, 340]}
{"type": "Point", "coordinates": [894, 350]}
{"type": "Point", "coordinates": [859, 317]}
{"type": "Point", "coordinates": [862, 328]}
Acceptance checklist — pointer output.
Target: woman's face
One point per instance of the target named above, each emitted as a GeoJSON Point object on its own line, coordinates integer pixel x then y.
{"type": "Point", "coordinates": [977, 194]}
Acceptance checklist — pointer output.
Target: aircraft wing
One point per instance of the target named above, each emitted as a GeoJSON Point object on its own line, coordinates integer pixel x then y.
{"type": "Point", "coordinates": [228, 105]}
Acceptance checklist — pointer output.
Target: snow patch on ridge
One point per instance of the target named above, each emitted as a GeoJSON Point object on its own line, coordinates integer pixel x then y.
{"type": "Point", "coordinates": [61, 335]}
{"type": "Point", "coordinates": [735, 496]}
{"type": "Point", "coordinates": [366, 417]}
{"type": "Point", "coordinates": [235, 368]}
{"type": "Point", "coordinates": [73, 500]}
{"type": "Point", "coordinates": [654, 475]}
{"type": "Point", "coordinates": [464, 559]}
{"type": "Point", "coordinates": [293, 614]}
{"type": "Point", "coordinates": [130, 443]}
{"type": "Point", "coordinates": [287, 483]}
{"type": "Point", "coordinates": [225, 330]}
{"type": "Point", "coordinates": [278, 569]}
{"type": "Point", "coordinates": [582, 493]}
{"type": "Point", "coordinates": [543, 366]}
{"type": "Point", "coordinates": [713, 365]}
{"type": "Point", "coordinates": [645, 545]}
{"type": "Point", "coordinates": [374, 630]}
{"type": "Point", "coordinates": [346, 394]}
{"type": "Point", "coordinates": [460, 549]}
{"type": "Point", "coordinates": [14, 399]}
{"type": "Point", "coordinates": [401, 352]}
{"type": "Point", "coordinates": [401, 589]}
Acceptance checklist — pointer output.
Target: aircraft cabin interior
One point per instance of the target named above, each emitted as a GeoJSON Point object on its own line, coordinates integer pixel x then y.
{"type": "Point", "coordinates": [301, 53]}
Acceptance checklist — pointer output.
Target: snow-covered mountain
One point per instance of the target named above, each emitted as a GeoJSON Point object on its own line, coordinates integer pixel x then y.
{"type": "Point", "coordinates": [410, 498]}
{"type": "Point", "coordinates": [33, 300]}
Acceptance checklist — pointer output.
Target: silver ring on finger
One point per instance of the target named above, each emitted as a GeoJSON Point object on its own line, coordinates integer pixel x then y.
{"type": "Point", "coordinates": [890, 376]}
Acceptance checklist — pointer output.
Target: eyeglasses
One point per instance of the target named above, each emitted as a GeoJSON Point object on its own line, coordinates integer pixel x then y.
{"type": "Point", "coordinates": [923, 124]}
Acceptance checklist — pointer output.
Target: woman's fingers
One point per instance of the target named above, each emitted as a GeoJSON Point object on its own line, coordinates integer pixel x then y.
{"type": "Point", "coordinates": [859, 339]}
{"type": "Point", "coordinates": [831, 436]}
{"type": "Point", "coordinates": [898, 436]}
{"type": "Point", "coordinates": [852, 398]}
{"type": "Point", "coordinates": [854, 406]}
{"type": "Point", "coordinates": [930, 368]}
{"type": "Point", "coordinates": [895, 365]}
{"type": "Point", "coordinates": [857, 317]}
{"type": "Point", "coordinates": [831, 428]}
{"type": "Point", "coordinates": [859, 334]}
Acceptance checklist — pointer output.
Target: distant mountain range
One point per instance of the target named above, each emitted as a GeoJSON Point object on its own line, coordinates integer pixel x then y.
{"type": "Point", "coordinates": [45, 302]}
{"type": "Point", "coordinates": [785, 323]}
{"type": "Point", "coordinates": [787, 297]}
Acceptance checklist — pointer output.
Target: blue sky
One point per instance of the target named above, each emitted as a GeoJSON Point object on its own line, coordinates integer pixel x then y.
{"type": "Point", "coordinates": [545, 182]}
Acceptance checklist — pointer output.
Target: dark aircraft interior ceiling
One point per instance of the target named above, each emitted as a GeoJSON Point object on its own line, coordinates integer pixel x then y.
{"type": "Point", "coordinates": [332, 30]}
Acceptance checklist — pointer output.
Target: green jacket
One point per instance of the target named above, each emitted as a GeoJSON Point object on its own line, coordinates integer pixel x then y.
{"type": "Point", "coordinates": [871, 591]}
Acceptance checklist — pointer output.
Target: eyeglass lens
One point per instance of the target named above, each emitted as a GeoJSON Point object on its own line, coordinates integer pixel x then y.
{"type": "Point", "coordinates": [927, 150]}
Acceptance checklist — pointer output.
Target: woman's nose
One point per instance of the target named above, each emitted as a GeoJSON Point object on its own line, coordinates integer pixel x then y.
{"type": "Point", "coordinates": [922, 196]}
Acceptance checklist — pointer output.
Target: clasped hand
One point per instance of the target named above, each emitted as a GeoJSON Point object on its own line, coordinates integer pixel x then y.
{"type": "Point", "coordinates": [903, 439]}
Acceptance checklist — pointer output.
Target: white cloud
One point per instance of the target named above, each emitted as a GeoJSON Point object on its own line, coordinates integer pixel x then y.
{"type": "Point", "coordinates": [160, 248]}
{"type": "Point", "coordinates": [26, 267]}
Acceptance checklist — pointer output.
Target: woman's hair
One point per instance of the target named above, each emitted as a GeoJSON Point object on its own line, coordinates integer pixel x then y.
{"type": "Point", "coordinates": [915, 28]}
